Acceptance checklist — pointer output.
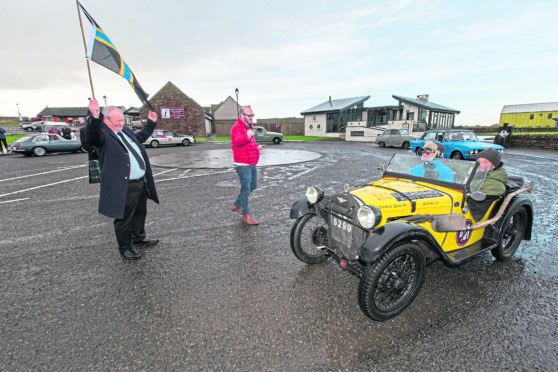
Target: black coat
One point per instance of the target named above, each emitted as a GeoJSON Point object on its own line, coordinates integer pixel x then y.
{"type": "Point", "coordinates": [115, 164]}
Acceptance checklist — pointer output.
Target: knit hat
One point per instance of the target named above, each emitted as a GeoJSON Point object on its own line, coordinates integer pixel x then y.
{"type": "Point", "coordinates": [491, 155]}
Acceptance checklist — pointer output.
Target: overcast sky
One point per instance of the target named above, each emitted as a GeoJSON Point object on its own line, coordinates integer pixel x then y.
{"type": "Point", "coordinates": [286, 56]}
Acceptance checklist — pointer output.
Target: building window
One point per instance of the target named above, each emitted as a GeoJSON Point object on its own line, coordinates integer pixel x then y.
{"type": "Point", "coordinates": [532, 116]}
{"type": "Point", "coordinates": [550, 115]}
{"type": "Point", "coordinates": [410, 116]}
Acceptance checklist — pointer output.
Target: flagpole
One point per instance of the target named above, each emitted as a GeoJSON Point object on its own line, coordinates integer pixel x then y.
{"type": "Point", "coordinates": [85, 48]}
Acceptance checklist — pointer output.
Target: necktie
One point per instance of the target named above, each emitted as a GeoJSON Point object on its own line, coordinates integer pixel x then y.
{"type": "Point", "coordinates": [133, 151]}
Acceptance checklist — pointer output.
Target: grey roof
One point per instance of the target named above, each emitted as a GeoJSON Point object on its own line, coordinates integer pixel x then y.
{"type": "Point", "coordinates": [68, 111]}
{"type": "Point", "coordinates": [426, 104]}
{"type": "Point", "coordinates": [530, 107]}
{"type": "Point", "coordinates": [336, 105]}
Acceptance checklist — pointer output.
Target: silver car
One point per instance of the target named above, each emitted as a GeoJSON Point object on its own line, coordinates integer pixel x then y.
{"type": "Point", "coordinates": [162, 137]}
{"type": "Point", "coordinates": [395, 138]}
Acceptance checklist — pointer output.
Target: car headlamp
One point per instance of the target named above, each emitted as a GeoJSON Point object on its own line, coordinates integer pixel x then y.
{"type": "Point", "coordinates": [368, 217]}
{"type": "Point", "coordinates": [314, 194]}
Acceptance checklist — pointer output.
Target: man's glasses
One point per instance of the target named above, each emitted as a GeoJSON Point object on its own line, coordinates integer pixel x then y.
{"type": "Point", "coordinates": [249, 115]}
{"type": "Point", "coordinates": [429, 151]}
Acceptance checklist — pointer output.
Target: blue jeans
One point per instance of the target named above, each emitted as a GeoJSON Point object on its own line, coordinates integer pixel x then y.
{"type": "Point", "coordinates": [248, 177]}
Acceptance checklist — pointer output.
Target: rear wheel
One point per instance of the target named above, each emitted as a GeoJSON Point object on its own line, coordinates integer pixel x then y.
{"type": "Point", "coordinates": [513, 232]}
{"type": "Point", "coordinates": [154, 144]}
{"type": "Point", "coordinates": [457, 155]}
{"type": "Point", "coordinates": [185, 142]}
{"type": "Point", "coordinates": [307, 234]}
{"type": "Point", "coordinates": [39, 151]}
{"type": "Point", "coordinates": [390, 285]}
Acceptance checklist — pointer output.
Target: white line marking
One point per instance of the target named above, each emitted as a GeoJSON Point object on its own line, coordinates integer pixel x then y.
{"type": "Point", "coordinates": [194, 175]}
{"type": "Point", "coordinates": [47, 185]}
{"type": "Point", "coordinates": [170, 170]}
{"type": "Point", "coordinates": [38, 174]}
{"type": "Point", "coordinates": [13, 201]}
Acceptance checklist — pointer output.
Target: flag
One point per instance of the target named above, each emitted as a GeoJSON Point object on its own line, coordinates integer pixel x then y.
{"type": "Point", "coordinates": [102, 51]}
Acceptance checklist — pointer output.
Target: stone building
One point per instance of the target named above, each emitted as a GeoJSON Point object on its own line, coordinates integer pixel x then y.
{"type": "Point", "coordinates": [177, 112]}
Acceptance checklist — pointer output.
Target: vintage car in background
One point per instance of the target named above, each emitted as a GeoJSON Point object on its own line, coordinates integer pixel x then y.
{"type": "Point", "coordinates": [458, 143]}
{"type": "Point", "coordinates": [30, 127]}
{"type": "Point", "coordinates": [161, 137]}
{"type": "Point", "coordinates": [42, 144]}
{"type": "Point", "coordinates": [262, 135]}
{"type": "Point", "coordinates": [386, 231]}
{"type": "Point", "coordinates": [395, 138]}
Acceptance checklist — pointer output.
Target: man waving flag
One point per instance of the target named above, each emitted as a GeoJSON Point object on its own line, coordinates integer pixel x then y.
{"type": "Point", "coordinates": [102, 51]}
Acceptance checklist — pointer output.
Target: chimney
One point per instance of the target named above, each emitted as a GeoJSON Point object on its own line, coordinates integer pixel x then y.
{"type": "Point", "coordinates": [330, 105]}
{"type": "Point", "coordinates": [422, 97]}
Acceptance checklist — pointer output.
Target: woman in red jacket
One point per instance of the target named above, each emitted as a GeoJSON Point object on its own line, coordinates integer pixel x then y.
{"type": "Point", "coordinates": [246, 153]}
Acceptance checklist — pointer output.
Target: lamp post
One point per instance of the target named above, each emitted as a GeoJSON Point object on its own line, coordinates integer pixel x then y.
{"type": "Point", "coordinates": [105, 98]}
{"type": "Point", "coordinates": [19, 113]}
{"type": "Point", "coordinates": [237, 109]}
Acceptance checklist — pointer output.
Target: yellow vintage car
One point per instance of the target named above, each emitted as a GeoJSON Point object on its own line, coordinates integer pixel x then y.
{"type": "Point", "coordinates": [386, 231]}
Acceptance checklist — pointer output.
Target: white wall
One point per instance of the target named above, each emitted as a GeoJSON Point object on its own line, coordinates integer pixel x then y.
{"type": "Point", "coordinates": [315, 125]}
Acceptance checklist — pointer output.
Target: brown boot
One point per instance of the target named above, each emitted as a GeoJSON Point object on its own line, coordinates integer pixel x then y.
{"type": "Point", "coordinates": [246, 218]}
{"type": "Point", "coordinates": [234, 208]}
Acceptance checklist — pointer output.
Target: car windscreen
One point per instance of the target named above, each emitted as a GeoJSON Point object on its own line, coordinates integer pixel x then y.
{"type": "Point", "coordinates": [438, 169]}
{"type": "Point", "coordinates": [465, 135]}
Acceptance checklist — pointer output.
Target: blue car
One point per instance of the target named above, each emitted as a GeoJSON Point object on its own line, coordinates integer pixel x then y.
{"type": "Point", "coordinates": [458, 143]}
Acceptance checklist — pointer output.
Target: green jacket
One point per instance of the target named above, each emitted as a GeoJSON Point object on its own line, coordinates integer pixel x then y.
{"type": "Point", "coordinates": [495, 182]}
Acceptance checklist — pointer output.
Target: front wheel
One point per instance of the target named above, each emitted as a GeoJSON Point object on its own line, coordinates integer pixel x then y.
{"type": "Point", "coordinates": [185, 142]}
{"type": "Point", "coordinates": [307, 234]}
{"type": "Point", "coordinates": [514, 230]}
{"type": "Point", "coordinates": [390, 285]}
{"type": "Point", "coordinates": [457, 155]}
{"type": "Point", "coordinates": [418, 151]}
{"type": "Point", "coordinates": [381, 144]}
{"type": "Point", "coordinates": [406, 145]}
{"type": "Point", "coordinates": [154, 144]}
{"type": "Point", "coordinates": [29, 129]}
{"type": "Point", "coordinates": [39, 151]}
{"type": "Point", "coordinates": [277, 140]}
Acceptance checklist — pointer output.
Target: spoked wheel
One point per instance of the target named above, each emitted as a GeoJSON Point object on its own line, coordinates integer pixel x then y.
{"type": "Point", "coordinates": [389, 285]}
{"type": "Point", "coordinates": [154, 144]}
{"type": "Point", "coordinates": [514, 230]}
{"type": "Point", "coordinates": [39, 151]}
{"type": "Point", "coordinates": [307, 234]}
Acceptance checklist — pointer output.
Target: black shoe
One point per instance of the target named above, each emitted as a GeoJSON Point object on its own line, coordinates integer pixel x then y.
{"type": "Point", "coordinates": [147, 241]}
{"type": "Point", "coordinates": [130, 254]}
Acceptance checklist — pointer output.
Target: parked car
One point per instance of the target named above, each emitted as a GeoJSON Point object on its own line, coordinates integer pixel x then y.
{"type": "Point", "coordinates": [262, 135]}
{"type": "Point", "coordinates": [458, 143]}
{"type": "Point", "coordinates": [30, 127]}
{"type": "Point", "coordinates": [395, 138]}
{"type": "Point", "coordinates": [42, 144]}
{"type": "Point", "coordinates": [386, 231]}
{"type": "Point", "coordinates": [166, 137]}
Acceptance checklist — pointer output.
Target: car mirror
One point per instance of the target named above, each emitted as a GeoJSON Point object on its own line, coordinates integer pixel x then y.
{"type": "Point", "coordinates": [380, 167]}
{"type": "Point", "coordinates": [478, 196]}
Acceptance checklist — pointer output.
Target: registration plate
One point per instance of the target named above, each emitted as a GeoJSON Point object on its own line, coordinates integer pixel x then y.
{"type": "Point", "coordinates": [341, 231]}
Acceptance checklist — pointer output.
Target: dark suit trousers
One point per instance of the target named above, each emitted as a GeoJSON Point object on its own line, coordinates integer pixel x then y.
{"type": "Point", "coordinates": [132, 227]}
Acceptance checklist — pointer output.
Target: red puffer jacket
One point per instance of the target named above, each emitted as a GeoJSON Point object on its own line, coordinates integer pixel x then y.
{"type": "Point", "coordinates": [244, 150]}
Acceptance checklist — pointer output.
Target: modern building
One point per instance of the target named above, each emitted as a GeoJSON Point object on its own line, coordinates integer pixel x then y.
{"type": "Point", "coordinates": [331, 118]}
{"type": "Point", "coordinates": [533, 115]}
{"type": "Point", "coordinates": [348, 117]}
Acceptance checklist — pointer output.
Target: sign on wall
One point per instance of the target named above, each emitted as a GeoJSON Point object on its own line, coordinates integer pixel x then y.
{"type": "Point", "coordinates": [172, 113]}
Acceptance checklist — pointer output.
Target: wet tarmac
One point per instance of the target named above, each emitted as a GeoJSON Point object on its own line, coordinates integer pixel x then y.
{"type": "Point", "coordinates": [222, 158]}
{"type": "Point", "coordinates": [217, 294]}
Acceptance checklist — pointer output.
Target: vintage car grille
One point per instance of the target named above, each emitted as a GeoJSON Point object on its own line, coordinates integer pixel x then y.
{"type": "Point", "coordinates": [345, 234]}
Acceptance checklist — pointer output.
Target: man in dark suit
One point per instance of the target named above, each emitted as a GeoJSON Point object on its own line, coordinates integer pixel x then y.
{"type": "Point", "coordinates": [126, 177]}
